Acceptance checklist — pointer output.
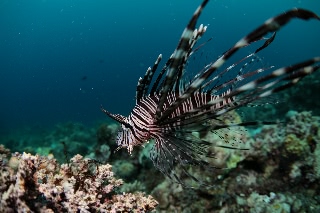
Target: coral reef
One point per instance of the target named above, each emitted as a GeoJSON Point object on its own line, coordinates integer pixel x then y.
{"type": "Point", "coordinates": [104, 144]}
{"type": "Point", "coordinates": [276, 203]}
{"type": "Point", "coordinates": [278, 173]}
{"type": "Point", "coordinates": [33, 183]}
{"type": "Point", "coordinates": [64, 139]}
{"type": "Point", "coordinates": [124, 169]}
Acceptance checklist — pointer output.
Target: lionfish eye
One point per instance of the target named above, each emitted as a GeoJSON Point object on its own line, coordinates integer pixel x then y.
{"type": "Point", "coordinates": [146, 134]}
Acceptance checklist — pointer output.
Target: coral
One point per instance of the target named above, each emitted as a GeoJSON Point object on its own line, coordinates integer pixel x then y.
{"type": "Point", "coordinates": [302, 124]}
{"type": "Point", "coordinates": [105, 133]}
{"type": "Point", "coordinates": [133, 187]}
{"type": "Point", "coordinates": [267, 140]}
{"type": "Point", "coordinates": [129, 201]}
{"type": "Point", "coordinates": [303, 138]}
{"type": "Point", "coordinates": [4, 152]}
{"type": "Point", "coordinates": [316, 164]}
{"type": "Point", "coordinates": [124, 169]}
{"type": "Point", "coordinates": [272, 203]}
{"type": "Point", "coordinates": [278, 202]}
{"type": "Point", "coordinates": [18, 189]}
{"type": "Point", "coordinates": [233, 160]}
{"type": "Point", "coordinates": [173, 197]}
{"type": "Point", "coordinates": [279, 172]}
{"type": "Point", "coordinates": [102, 153]}
{"type": "Point", "coordinates": [79, 184]}
{"type": "Point", "coordinates": [40, 184]}
{"type": "Point", "coordinates": [296, 146]}
{"type": "Point", "coordinates": [101, 150]}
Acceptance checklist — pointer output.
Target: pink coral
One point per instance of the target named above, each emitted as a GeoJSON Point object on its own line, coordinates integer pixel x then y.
{"type": "Point", "coordinates": [40, 184]}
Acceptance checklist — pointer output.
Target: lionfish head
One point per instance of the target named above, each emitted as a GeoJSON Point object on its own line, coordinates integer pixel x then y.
{"type": "Point", "coordinates": [128, 136]}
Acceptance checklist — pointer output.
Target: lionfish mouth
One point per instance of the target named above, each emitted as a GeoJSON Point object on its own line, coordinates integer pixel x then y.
{"type": "Point", "coordinates": [176, 113]}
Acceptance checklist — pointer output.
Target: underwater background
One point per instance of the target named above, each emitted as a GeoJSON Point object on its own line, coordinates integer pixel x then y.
{"type": "Point", "coordinates": [61, 60]}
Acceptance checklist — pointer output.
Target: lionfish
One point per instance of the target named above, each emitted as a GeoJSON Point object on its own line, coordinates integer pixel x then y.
{"type": "Point", "coordinates": [171, 109]}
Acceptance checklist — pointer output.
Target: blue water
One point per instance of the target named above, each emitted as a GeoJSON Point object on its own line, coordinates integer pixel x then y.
{"type": "Point", "coordinates": [60, 60]}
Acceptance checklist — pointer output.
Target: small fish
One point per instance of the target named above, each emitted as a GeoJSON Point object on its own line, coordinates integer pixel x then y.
{"type": "Point", "coordinates": [173, 108]}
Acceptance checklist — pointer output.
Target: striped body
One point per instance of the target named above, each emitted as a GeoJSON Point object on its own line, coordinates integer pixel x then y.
{"type": "Point", "coordinates": [172, 109]}
{"type": "Point", "coordinates": [145, 127]}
